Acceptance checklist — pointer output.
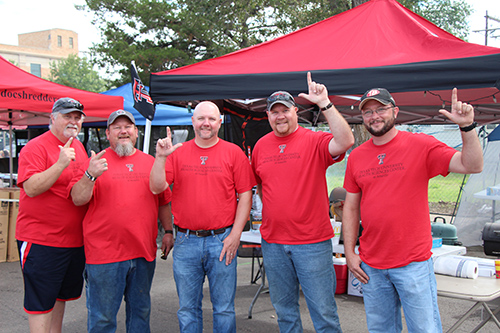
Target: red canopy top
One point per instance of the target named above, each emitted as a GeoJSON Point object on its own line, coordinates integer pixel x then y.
{"type": "Point", "coordinates": [373, 34]}
{"type": "Point", "coordinates": [26, 99]}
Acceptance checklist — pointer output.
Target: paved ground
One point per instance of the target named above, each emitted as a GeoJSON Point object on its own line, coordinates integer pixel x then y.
{"type": "Point", "coordinates": [351, 311]}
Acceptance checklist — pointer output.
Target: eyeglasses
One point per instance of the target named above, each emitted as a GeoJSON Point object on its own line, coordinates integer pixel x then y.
{"type": "Point", "coordinates": [380, 111]}
{"type": "Point", "coordinates": [280, 96]}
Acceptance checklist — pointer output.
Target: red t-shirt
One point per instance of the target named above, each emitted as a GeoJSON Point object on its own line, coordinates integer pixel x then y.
{"type": "Point", "coordinates": [393, 181]}
{"type": "Point", "coordinates": [205, 183]}
{"type": "Point", "coordinates": [51, 218]}
{"type": "Point", "coordinates": [291, 169]}
{"type": "Point", "coordinates": [122, 218]}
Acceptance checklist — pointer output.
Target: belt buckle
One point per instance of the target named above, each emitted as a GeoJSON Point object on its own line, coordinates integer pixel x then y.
{"type": "Point", "coordinates": [201, 233]}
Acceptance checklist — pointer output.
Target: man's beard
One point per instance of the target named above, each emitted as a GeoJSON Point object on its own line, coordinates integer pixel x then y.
{"type": "Point", "coordinates": [70, 131]}
{"type": "Point", "coordinates": [126, 149]}
{"type": "Point", "coordinates": [386, 128]}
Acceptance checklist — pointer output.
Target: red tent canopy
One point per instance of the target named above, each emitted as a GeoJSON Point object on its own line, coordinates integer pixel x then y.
{"type": "Point", "coordinates": [26, 99]}
{"type": "Point", "coordinates": [377, 44]}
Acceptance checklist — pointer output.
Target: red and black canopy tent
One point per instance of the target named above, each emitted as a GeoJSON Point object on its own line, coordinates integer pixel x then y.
{"type": "Point", "coordinates": [377, 44]}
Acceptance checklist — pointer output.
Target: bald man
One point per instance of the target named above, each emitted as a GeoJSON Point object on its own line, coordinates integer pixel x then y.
{"type": "Point", "coordinates": [211, 199]}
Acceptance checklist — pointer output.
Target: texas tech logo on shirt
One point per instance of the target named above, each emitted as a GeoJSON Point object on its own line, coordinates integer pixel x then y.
{"type": "Point", "coordinates": [130, 167]}
{"type": "Point", "coordinates": [381, 158]}
{"type": "Point", "coordinates": [282, 148]}
{"type": "Point", "coordinates": [203, 159]}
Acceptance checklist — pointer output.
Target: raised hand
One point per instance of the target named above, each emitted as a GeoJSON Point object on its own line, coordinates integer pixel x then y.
{"type": "Point", "coordinates": [66, 153]}
{"type": "Point", "coordinates": [317, 92]}
{"type": "Point", "coordinates": [164, 146]}
{"type": "Point", "coordinates": [97, 164]}
{"type": "Point", "coordinates": [461, 113]}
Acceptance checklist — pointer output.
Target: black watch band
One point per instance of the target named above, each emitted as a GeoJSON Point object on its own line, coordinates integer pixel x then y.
{"type": "Point", "coordinates": [327, 107]}
{"type": "Point", "coordinates": [92, 178]}
{"type": "Point", "coordinates": [469, 128]}
{"type": "Point", "coordinates": [169, 231]}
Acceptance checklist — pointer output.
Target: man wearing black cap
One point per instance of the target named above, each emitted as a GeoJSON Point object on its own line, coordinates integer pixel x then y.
{"type": "Point", "coordinates": [120, 228]}
{"type": "Point", "coordinates": [49, 226]}
{"type": "Point", "coordinates": [387, 183]}
{"type": "Point", "coordinates": [290, 165]}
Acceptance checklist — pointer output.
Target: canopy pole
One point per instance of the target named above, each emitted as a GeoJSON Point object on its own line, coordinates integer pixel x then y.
{"type": "Point", "coordinates": [147, 136]}
{"type": "Point", "coordinates": [11, 158]}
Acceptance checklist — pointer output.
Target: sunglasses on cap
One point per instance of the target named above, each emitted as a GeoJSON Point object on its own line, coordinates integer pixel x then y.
{"type": "Point", "coordinates": [67, 103]}
{"type": "Point", "coordinates": [280, 96]}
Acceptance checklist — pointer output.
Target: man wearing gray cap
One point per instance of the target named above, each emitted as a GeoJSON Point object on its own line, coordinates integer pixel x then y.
{"type": "Point", "coordinates": [290, 165]}
{"type": "Point", "coordinates": [49, 226]}
{"type": "Point", "coordinates": [120, 228]}
{"type": "Point", "coordinates": [387, 181]}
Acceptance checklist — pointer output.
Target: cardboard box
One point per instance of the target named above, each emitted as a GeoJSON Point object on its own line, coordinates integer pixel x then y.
{"type": "Point", "coordinates": [354, 287]}
{"type": "Point", "coordinates": [12, 250]}
{"type": "Point", "coordinates": [4, 225]}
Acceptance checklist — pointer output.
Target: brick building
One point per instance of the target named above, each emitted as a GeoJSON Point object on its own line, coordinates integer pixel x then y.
{"type": "Point", "coordinates": [36, 50]}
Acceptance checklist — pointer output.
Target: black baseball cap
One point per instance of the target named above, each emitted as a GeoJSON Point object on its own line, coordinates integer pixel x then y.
{"type": "Point", "coordinates": [282, 97]}
{"type": "Point", "coordinates": [379, 94]}
{"type": "Point", "coordinates": [66, 105]}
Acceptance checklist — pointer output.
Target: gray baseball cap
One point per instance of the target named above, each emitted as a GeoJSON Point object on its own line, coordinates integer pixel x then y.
{"type": "Point", "coordinates": [119, 113]}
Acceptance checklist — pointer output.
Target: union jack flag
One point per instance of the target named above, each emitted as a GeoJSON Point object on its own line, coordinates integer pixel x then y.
{"type": "Point", "coordinates": [142, 101]}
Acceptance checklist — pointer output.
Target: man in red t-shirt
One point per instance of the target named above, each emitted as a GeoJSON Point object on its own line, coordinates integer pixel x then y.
{"type": "Point", "coordinates": [49, 225]}
{"type": "Point", "coordinates": [120, 228]}
{"type": "Point", "coordinates": [290, 165]}
{"type": "Point", "coordinates": [387, 182]}
{"type": "Point", "coordinates": [211, 199]}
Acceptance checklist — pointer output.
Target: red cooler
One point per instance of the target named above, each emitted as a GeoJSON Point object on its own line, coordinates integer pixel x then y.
{"type": "Point", "coordinates": [340, 266]}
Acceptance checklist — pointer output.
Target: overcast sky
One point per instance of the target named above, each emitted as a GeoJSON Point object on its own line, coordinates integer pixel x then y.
{"type": "Point", "coordinates": [22, 16]}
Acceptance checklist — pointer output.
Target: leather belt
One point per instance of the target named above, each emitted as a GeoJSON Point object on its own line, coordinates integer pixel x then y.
{"type": "Point", "coordinates": [203, 233]}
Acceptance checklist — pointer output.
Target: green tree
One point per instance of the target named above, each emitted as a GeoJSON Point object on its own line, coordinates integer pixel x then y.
{"type": "Point", "coordinates": [451, 16]}
{"type": "Point", "coordinates": [161, 35]}
{"type": "Point", "coordinates": [77, 72]}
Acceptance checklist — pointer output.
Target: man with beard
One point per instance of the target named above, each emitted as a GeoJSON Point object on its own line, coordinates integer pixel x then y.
{"type": "Point", "coordinates": [211, 199]}
{"type": "Point", "coordinates": [290, 165]}
{"type": "Point", "coordinates": [49, 226]}
{"type": "Point", "coordinates": [120, 228]}
{"type": "Point", "coordinates": [387, 182]}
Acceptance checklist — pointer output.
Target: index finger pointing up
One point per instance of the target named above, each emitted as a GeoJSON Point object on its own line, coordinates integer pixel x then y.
{"type": "Point", "coordinates": [454, 97]}
{"type": "Point", "coordinates": [68, 143]}
{"type": "Point", "coordinates": [309, 78]}
{"type": "Point", "coordinates": [98, 156]}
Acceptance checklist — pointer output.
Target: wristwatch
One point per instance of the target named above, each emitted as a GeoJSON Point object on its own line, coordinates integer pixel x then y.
{"type": "Point", "coordinates": [469, 128]}
{"type": "Point", "coordinates": [326, 107]}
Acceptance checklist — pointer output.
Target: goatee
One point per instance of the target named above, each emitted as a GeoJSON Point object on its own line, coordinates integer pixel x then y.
{"type": "Point", "coordinates": [126, 149]}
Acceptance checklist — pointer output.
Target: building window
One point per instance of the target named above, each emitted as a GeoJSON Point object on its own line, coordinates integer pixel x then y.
{"type": "Point", "coordinates": [71, 42]}
{"type": "Point", "coordinates": [36, 69]}
{"type": "Point", "coordinates": [49, 36]}
{"type": "Point", "coordinates": [59, 41]}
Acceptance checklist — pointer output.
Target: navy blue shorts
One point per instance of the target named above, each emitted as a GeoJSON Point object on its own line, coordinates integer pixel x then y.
{"type": "Point", "coordinates": [50, 274]}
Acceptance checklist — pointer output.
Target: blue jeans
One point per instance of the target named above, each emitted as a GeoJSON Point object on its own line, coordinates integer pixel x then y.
{"type": "Point", "coordinates": [311, 266]}
{"type": "Point", "coordinates": [197, 257]}
{"type": "Point", "coordinates": [413, 286]}
{"type": "Point", "coordinates": [107, 284]}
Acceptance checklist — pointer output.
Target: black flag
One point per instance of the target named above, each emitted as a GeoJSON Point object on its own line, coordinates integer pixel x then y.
{"type": "Point", "coordinates": [142, 101]}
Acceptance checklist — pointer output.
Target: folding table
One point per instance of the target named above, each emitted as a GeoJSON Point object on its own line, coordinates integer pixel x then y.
{"type": "Point", "coordinates": [480, 290]}
{"type": "Point", "coordinates": [255, 238]}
